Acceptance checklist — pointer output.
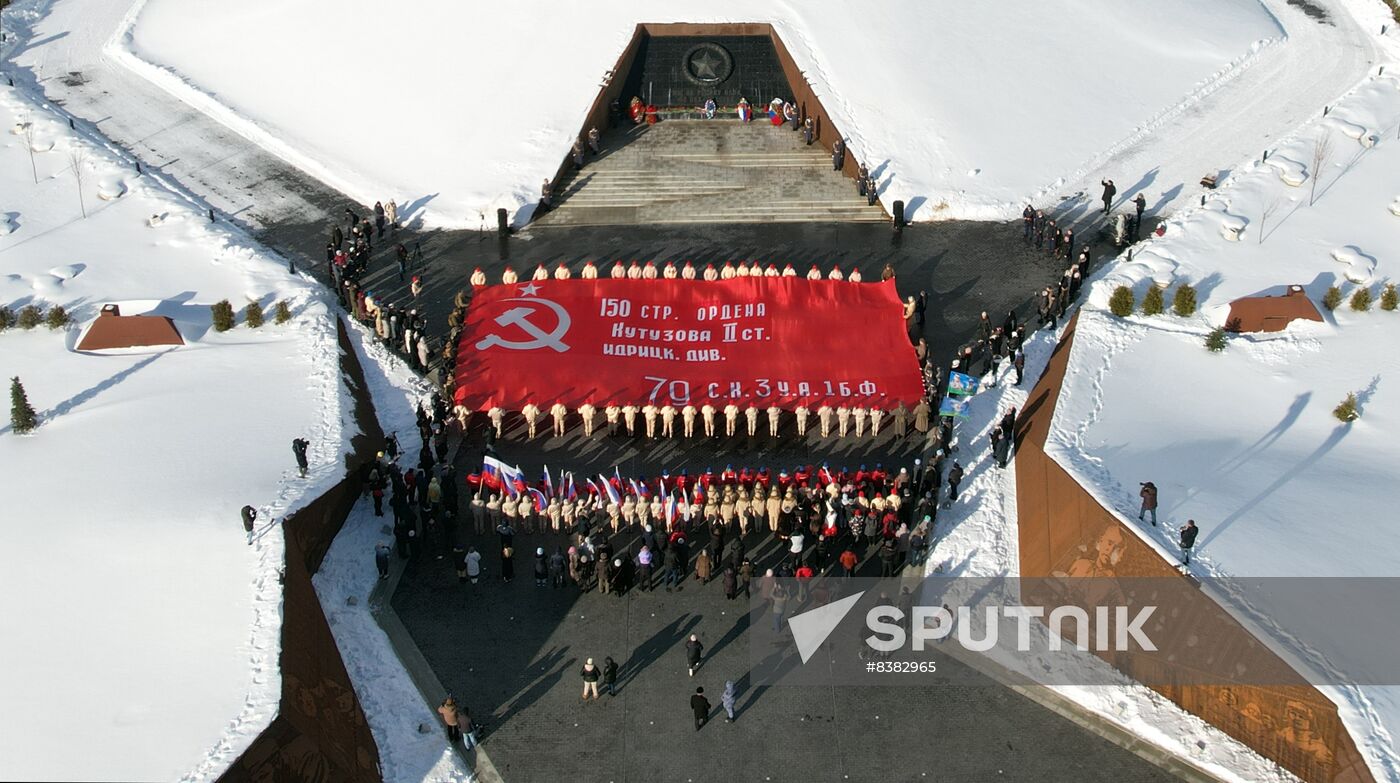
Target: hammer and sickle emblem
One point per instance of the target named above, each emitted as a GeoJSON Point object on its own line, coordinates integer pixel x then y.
{"type": "Point", "coordinates": [519, 317]}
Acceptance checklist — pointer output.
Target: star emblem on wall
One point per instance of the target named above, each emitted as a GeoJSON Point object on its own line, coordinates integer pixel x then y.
{"type": "Point", "coordinates": [707, 64]}
{"type": "Point", "coordinates": [704, 65]}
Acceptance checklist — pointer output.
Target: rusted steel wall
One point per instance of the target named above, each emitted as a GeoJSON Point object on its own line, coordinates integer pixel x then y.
{"type": "Point", "coordinates": [320, 732]}
{"type": "Point", "coordinates": [803, 95]}
{"type": "Point", "coordinates": [1063, 530]}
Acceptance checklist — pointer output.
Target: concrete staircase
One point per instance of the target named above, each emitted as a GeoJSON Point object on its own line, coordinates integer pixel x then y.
{"type": "Point", "coordinates": [707, 171]}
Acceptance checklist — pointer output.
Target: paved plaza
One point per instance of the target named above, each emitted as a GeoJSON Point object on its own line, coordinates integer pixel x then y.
{"type": "Point", "coordinates": [513, 653]}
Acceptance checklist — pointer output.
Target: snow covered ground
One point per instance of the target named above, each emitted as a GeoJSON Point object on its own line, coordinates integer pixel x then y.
{"type": "Point", "coordinates": [142, 631]}
{"type": "Point", "coordinates": [393, 705]}
{"type": "Point", "coordinates": [1244, 441]}
{"type": "Point", "coordinates": [1061, 90]}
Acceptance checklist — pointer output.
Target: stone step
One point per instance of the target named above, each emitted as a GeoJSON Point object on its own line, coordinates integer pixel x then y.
{"type": "Point", "coordinates": [707, 172]}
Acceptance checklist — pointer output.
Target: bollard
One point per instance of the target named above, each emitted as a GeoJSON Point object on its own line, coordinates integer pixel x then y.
{"type": "Point", "coordinates": [1130, 255]}
{"type": "Point", "coordinates": [502, 223]}
{"type": "Point", "coordinates": [1326, 109]}
{"type": "Point", "coordinates": [71, 126]}
{"type": "Point", "coordinates": [138, 167]}
{"type": "Point", "coordinates": [1266, 154]}
{"type": "Point", "coordinates": [211, 214]}
{"type": "Point", "coordinates": [1203, 199]}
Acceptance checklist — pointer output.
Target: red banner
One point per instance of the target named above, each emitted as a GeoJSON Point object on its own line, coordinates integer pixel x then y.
{"type": "Point", "coordinates": [763, 341]}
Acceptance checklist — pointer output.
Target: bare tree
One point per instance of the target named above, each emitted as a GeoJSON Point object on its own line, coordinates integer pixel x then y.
{"type": "Point", "coordinates": [29, 143]}
{"type": "Point", "coordinates": [78, 158]}
{"type": "Point", "coordinates": [1322, 150]}
{"type": "Point", "coordinates": [1269, 210]}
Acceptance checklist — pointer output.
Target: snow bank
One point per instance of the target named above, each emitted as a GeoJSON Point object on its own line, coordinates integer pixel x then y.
{"type": "Point", "coordinates": [1244, 441]}
{"type": "Point", "coordinates": [143, 631]}
{"type": "Point", "coordinates": [393, 706]}
{"type": "Point", "coordinates": [472, 105]}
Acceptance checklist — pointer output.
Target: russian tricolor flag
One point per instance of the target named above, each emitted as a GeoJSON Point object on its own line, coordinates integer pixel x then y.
{"type": "Point", "coordinates": [613, 497]}
{"type": "Point", "coordinates": [498, 474]}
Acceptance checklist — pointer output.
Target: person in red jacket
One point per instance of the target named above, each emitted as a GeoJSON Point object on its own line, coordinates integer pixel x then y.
{"type": "Point", "coordinates": [803, 574]}
{"type": "Point", "coordinates": [848, 563]}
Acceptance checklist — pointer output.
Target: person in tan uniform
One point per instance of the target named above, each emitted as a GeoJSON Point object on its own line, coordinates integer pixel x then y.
{"type": "Point", "coordinates": [478, 507]}
{"type": "Point", "coordinates": [643, 512]}
{"type": "Point", "coordinates": [509, 277]}
{"type": "Point", "coordinates": [509, 510]}
{"type": "Point", "coordinates": [843, 419]}
{"type": "Point", "coordinates": [835, 273]}
{"type": "Point", "coordinates": [731, 419]}
{"type": "Point", "coordinates": [629, 418]}
{"type": "Point", "coordinates": [568, 510]}
{"type": "Point", "coordinates": [854, 276]}
{"type": "Point", "coordinates": [541, 274]}
{"type": "Point", "coordinates": [497, 416]}
{"type": "Point", "coordinates": [649, 271]}
{"type": "Point", "coordinates": [464, 417]}
{"type": "Point", "coordinates": [772, 271]}
{"type": "Point", "coordinates": [649, 415]}
{"type": "Point", "coordinates": [859, 414]}
{"type": "Point", "coordinates": [757, 506]}
{"type": "Point", "coordinates": [789, 271]}
{"type": "Point", "coordinates": [619, 270]}
{"type": "Point", "coordinates": [901, 415]}
{"type": "Point", "coordinates": [494, 510]}
{"type": "Point", "coordinates": [688, 418]}
{"type": "Point", "coordinates": [611, 411]}
{"type": "Point", "coordinates": [590, 272]}
{"type": "Point", "coordinates": [707, 412]}
{"type": "Point", "coordinates": [875, 415]}
{"type": "Point", "coordinates": [802, 414]}
{"type": "Point", "coordinates": [561, 272]}
{"type": "Point", "coordinates": [478, 278]}
{"type": "Point", "coordinates": [775, 417]}
{"type": "Point", "coordinates": [525, 509]}
{"type": "Point", "coordinates": [554, 512]}
{"type": "Point", "coordinates": [560, 414]}
{"type": "Point", "coordinates": [587, 412]}
{"type": "Point", "coordinates": [814, 273]}
{"type": "Point", "coordinates": [688, 271]}
{"type": "Point", "coordinates": [727, 272]}
{"type": "Point", "coordinates": [711, 274]}
{"type": "Point", "coordinates": [634, 271]}
{"type": "Point", "coordinates": [658, 511]}
{"type": "Point", "coordinates": [751, 417]}
{"type": "Point", "coordinates": [774, 507]}
{"type": "Point", "coordinates": [669, 272]}
{"type": "Point", "coordinates": [629, 511]}
{"type": "Point", "coordinates": [614, 516]}
{"type": "Point", "coordinates": [711, 507]}
{"type": "Point", "coordinates": [531, 412]}
{"type": "Point", "coordinates": [921, 414]}
{"type": "Point", "coordinates": [824, 413]}
{"type": "Point", "coordinates": [742, 269]}
{"type": "Point", "coordinates": [668, 421]}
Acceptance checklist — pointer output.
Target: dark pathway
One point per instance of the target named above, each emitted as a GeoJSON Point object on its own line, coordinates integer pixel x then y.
{"type": "Point", "coordinates": [514, 651]}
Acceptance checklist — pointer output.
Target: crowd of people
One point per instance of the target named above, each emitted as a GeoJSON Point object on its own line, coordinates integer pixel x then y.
{"type": "Point", "coordinates": [402, 329]}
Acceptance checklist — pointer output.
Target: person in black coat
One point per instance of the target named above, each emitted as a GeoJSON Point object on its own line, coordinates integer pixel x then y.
{"type": "Point", "coordinates": [610, 676]}
{"type": "Point", "coordinates": [955, 477]}
{"type": "Point", "coordinates": [700, 708]}
{"type": "Point", "coordinates": [1188, 540]}
{"type": "Point", "coordinates": [1109, 191]}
